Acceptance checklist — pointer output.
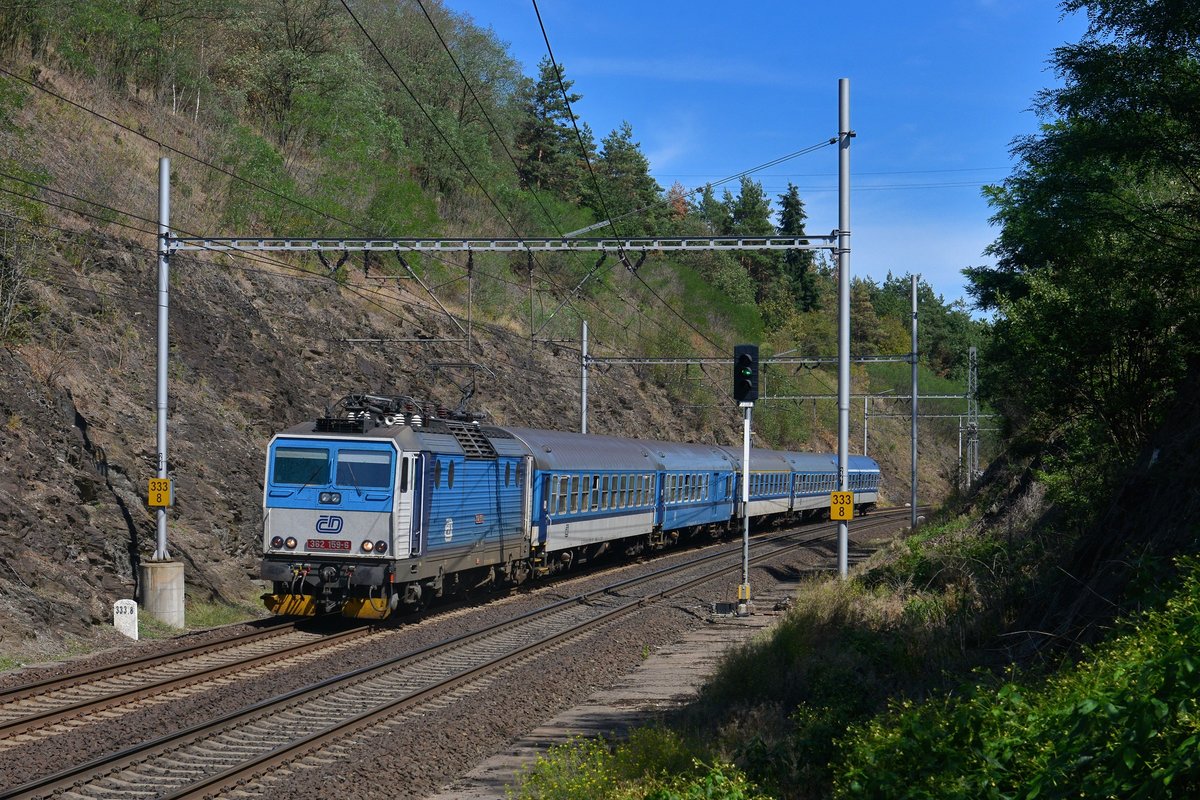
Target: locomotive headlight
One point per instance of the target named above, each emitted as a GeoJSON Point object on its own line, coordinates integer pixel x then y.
{"type": "Point", "coordinates": [276, 542]}
{"type": "Point", "coordinates": [381, 547]}
{"type": "Point", "coordinates": [330, 498]}
{"type": "Point", "coordinates": [367, 546]}
{"type": "Point", "coordinates": [291, 543]}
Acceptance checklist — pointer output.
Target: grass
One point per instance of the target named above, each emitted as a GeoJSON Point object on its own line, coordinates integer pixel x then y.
{"type": "Point", "coordinates": [654, 763]}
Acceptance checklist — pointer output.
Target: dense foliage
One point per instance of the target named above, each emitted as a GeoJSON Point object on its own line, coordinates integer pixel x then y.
{"type": "Point", "coordinates": [1098, 316]}
{"type": "Point", "coordinates": [1120, 723]}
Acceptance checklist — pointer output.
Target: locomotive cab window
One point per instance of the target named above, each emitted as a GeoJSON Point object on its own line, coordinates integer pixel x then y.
{"type": "Point", "coordinates": [450, 476]}
{"type": "Point", "coordinates": [301, 466]}
{"type": "Point", "coordinates": [362, 469]}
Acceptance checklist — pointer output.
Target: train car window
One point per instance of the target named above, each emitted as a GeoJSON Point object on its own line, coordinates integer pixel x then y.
{"type": "Point", "coordinates": [437, 474]}
{"type": "Point", "coordinates": [605, 498]}
{"type": "Point", "coordinates": [450, 476]}
{"type": "Point", "coordinates": [560, 489]}
{"type": "Point", "coordinates": [595, 492]}
{"type": "Point", "coordinates": [507, 473]}
{"type": "Point", "coordinates": [623, 494]}
{"type": "Point", "coordinates": [403, 475]}
{"type": "Point", "coordinates": [364, 469]}
{"type": "Point", "coordinates": [300, 466]}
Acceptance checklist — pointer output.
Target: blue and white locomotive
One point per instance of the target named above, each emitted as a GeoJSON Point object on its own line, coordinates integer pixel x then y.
{"type": "Point", "coordinates": [382, 506]}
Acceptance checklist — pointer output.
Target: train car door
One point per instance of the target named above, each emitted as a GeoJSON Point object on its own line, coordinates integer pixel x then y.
{"type": "Point", "coordinates": [526, 478]}
{"type": "Point", "coordinates": [411, 494]}
{"type": "Point", "coordinates": [542, 500]}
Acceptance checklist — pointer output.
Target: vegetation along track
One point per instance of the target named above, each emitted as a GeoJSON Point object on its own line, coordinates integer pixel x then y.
{"type": "Point", "coordinates": [205, 759]}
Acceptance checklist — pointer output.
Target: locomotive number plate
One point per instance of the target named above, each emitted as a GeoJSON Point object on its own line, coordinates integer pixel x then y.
{"type": "Point", "coordinates": [327, 544]}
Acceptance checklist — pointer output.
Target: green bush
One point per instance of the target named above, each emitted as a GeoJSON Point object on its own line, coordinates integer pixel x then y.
{"type": "Point", "coordinates": [1123, 722]}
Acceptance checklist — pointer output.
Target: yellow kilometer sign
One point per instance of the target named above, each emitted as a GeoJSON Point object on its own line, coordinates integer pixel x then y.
{"type": "Point", "coordinates": [841, 506]}
{"type": "Point", "coordinates": [158, 493]}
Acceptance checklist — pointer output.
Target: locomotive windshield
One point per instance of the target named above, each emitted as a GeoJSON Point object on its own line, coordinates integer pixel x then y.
{"type": "Point", "coordinates": [366, 469]}
{"type": "Point", "coordinates": [300, 466]}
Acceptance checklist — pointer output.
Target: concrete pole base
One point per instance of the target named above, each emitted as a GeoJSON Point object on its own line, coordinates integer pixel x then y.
{"type": "Point", "coordinates": [162, 591]}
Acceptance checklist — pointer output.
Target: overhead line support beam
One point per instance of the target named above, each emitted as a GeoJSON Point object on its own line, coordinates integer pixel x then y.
{"type": "Point", "coordinates": [552, 245]}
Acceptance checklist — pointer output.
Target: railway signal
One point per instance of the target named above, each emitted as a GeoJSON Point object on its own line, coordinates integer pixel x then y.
{"type": "Point", "coordinates": [745, 373]}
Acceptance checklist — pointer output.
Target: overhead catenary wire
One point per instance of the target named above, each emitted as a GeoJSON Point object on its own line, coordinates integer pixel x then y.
{"type": "Point", "coordinates": [364, 294]}
{"type": "Point", "coordinates": [595, 183]}
{"type": "Point", "coordinates": [226, 172]}
{"type": "Point", "coordinates": [301, 204]}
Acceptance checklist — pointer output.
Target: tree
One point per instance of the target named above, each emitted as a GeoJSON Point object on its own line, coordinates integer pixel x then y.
{"type": "Point", "coordinates": [797, 264]}
{"type": "Point", "coordinates": [623, 173]}
{"type": "Point", "coordinates": [546, 142]}
{"type": "Point", "coordinates": [1098, 315]}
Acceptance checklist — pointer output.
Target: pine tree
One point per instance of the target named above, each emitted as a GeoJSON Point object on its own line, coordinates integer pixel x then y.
{"type": "Point", "coordinates": [624, 176]}
{"type": "Point", "coordinates": [546, 138]}
{"type": "Point", "coordinates": [798, 268]}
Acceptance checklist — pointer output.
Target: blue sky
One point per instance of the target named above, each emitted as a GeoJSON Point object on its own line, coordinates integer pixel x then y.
{"type": "Point", "coordinates": [938, 91]}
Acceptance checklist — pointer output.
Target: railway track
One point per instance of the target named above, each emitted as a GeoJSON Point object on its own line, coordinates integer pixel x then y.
{"type": "Point", "coordinates": [206, 759]}
{"type": "Point", "coordinates": [39, 706]}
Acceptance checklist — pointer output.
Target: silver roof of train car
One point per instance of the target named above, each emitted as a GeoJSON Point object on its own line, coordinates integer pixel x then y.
{"type": "Point", "coordinates": [563, 450]}
{"type": "Point", "coordinates": [406, 437]}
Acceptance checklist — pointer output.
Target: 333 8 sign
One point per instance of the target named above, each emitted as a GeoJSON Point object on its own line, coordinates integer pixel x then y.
{"type": "Point", "coordinates": [841, 506]}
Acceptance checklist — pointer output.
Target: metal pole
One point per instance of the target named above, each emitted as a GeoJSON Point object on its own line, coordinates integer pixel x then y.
{"type": "Point", "coordinates": [913, 500]}
{"type": "Point", "coordinates": [164, 221]}
{"type": "Point", "coordinates": [865, 424]}
{"type": "Point", "coordinates": [958, 477]}
{"type": "Point", "coordinates": [844, 136]}
{"type": "Point", "coordinates": [972, 416]}
{"type": "Point", "coordinates": [583, 362]}
{"type": "Point", "coordinates": [470, 298]}
{"type": "Point", "coordinates": [744, 589]}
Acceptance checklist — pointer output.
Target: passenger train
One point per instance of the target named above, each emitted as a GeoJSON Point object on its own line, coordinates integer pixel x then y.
{"type": "Point", "coordinates": [378, 506]}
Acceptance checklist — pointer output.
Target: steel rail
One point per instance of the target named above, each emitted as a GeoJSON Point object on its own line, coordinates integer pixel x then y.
{"type": "Point", "coordinates": [125, 696]}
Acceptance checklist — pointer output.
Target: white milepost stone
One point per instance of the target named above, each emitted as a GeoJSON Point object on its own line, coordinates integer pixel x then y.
{"type": "Point", "coordinates": [125, 618]}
